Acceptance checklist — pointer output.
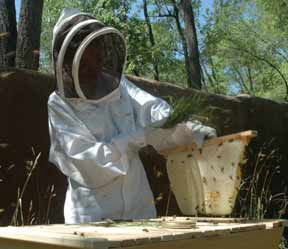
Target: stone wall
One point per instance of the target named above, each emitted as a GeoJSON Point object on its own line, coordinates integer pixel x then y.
{"type": "Point", "coordinates": [23, 126]}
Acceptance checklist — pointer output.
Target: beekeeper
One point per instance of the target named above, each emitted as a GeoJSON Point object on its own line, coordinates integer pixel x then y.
{"type": "Point", "coordinates": [98, 120]}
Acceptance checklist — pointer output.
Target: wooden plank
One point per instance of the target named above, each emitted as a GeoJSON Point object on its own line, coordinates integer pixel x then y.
{"type": "Point", "coordinates": [44, 239]}
{"type": "Point", "coordinates": [19, 244]}
{"type": "Point", "coordinates": [119, 236]}
{"type": "Point", "coordinates": [245, 135]}
{"type": "Point", "coordinates": [214, 220]}
{"type": "Point", "coordinates": [264, 239]}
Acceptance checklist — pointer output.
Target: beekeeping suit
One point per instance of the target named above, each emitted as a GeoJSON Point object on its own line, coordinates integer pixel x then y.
{"type": "Point", "coordinates": [98, 120]}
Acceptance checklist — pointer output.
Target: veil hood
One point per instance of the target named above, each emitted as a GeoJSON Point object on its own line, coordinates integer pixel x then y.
{"type": "Point", "coordinates": [88, 56]}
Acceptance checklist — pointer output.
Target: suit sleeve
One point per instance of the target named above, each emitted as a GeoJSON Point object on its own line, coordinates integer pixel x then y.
{"type": "Point", "coordinates": [76, 152]}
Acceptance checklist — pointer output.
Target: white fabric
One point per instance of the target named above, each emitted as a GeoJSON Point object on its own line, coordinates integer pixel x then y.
{"type": "Point", "coordinates": [192, 131]}
{"type": "Point", "coordinates": [182, 134]}
{"type": "Point", "coordinates": [95, 144]}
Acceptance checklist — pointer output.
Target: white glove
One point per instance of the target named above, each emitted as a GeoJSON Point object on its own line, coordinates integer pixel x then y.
{"type": "Point", "coordinates": [192, 132]}
{"type": "Point", "coordinates": [183, 134]}
{"type": "Point", "coordinates": [159, 138]}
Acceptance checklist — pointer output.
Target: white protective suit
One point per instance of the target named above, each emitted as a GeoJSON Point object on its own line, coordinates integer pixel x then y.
{"type": "Point", "coordinates": [96, 129]}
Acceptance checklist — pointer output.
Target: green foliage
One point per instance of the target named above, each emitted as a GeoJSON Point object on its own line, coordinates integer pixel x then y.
{"type": "Point", "coordinates": [127, 16]}
{"type": "Point", "coordinates": [184, 109]}
{"type": "Point", "coordinates": [243, 43]}
{"type": "Point", "coordinates": [245, 50]}
{"type": "Point", "coordinates": [51, 12]}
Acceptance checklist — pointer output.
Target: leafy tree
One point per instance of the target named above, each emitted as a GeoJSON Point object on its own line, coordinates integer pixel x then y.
{"type": "Point", "coordinates": [154, 49]}
{"type": "Point", "coordinates": [187, 36]}
{"type": "Point", "coordinates": [111, 12]}
{"type": "Point", "coordinates": [242, 45]}
{"type": "Point", "coordinates": [276, 10]}
{"type": "Point", "coordinates": [168, 52]}
{"type": "Point", "coordinates": [244, 51]}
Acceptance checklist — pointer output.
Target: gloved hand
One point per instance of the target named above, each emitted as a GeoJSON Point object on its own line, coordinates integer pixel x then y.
{"type": "Point", "coordinates": [192, 132]}
{"type": "Point", "coordinates": [187, 133]}
{"type": "Point", "coordinates": [159, 138]}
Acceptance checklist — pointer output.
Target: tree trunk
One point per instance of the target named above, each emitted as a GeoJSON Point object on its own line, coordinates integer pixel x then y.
{"type": "Point", "coordinates": [29, 30]}
{"type": "Point", "coordinates": [8, 33]}
{"type": "Point", "coordinates": [125, 7]}
{"type": "Point", "coordinates": [191, 37]}
{"type": "Point", "coordinates": [151, 37]}
{"type": "Point", "coordinates": [184, 43]}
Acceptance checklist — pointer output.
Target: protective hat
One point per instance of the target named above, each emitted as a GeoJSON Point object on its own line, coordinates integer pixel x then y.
{"type": "Point", "coordinates": [89, 58]}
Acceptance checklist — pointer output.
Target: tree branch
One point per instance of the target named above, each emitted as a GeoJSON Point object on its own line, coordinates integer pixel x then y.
{"type": "Point", "coordinates": [268, 63]}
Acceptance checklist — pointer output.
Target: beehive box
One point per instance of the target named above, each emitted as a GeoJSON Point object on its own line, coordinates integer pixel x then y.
{"type": "Point", "coordinates": [153, 234]}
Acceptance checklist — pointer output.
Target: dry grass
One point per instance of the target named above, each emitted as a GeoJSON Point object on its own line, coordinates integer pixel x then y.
{"type": "Point", "coordinates": [30, 216]}
{"type": "Point", "coordinates": [257, 198]}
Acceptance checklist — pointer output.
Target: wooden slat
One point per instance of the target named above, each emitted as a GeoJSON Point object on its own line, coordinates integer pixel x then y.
{"type": "Point", "coordinates": [44, 239]}
{"type": "Point", "coordinates": [244, 240]}
{"type": "Point", "coordinates": [214, 220]}
{"type": "Point", "coordinates": [245, 135]}
{"type": "Point", "coordinates": [145, 236]}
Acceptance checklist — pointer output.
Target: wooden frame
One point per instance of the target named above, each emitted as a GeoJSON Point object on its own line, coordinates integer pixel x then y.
{"type": "Point", "coordinates": [209, 233]}
{"type": "Point", "coordinates": [245, 135]}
